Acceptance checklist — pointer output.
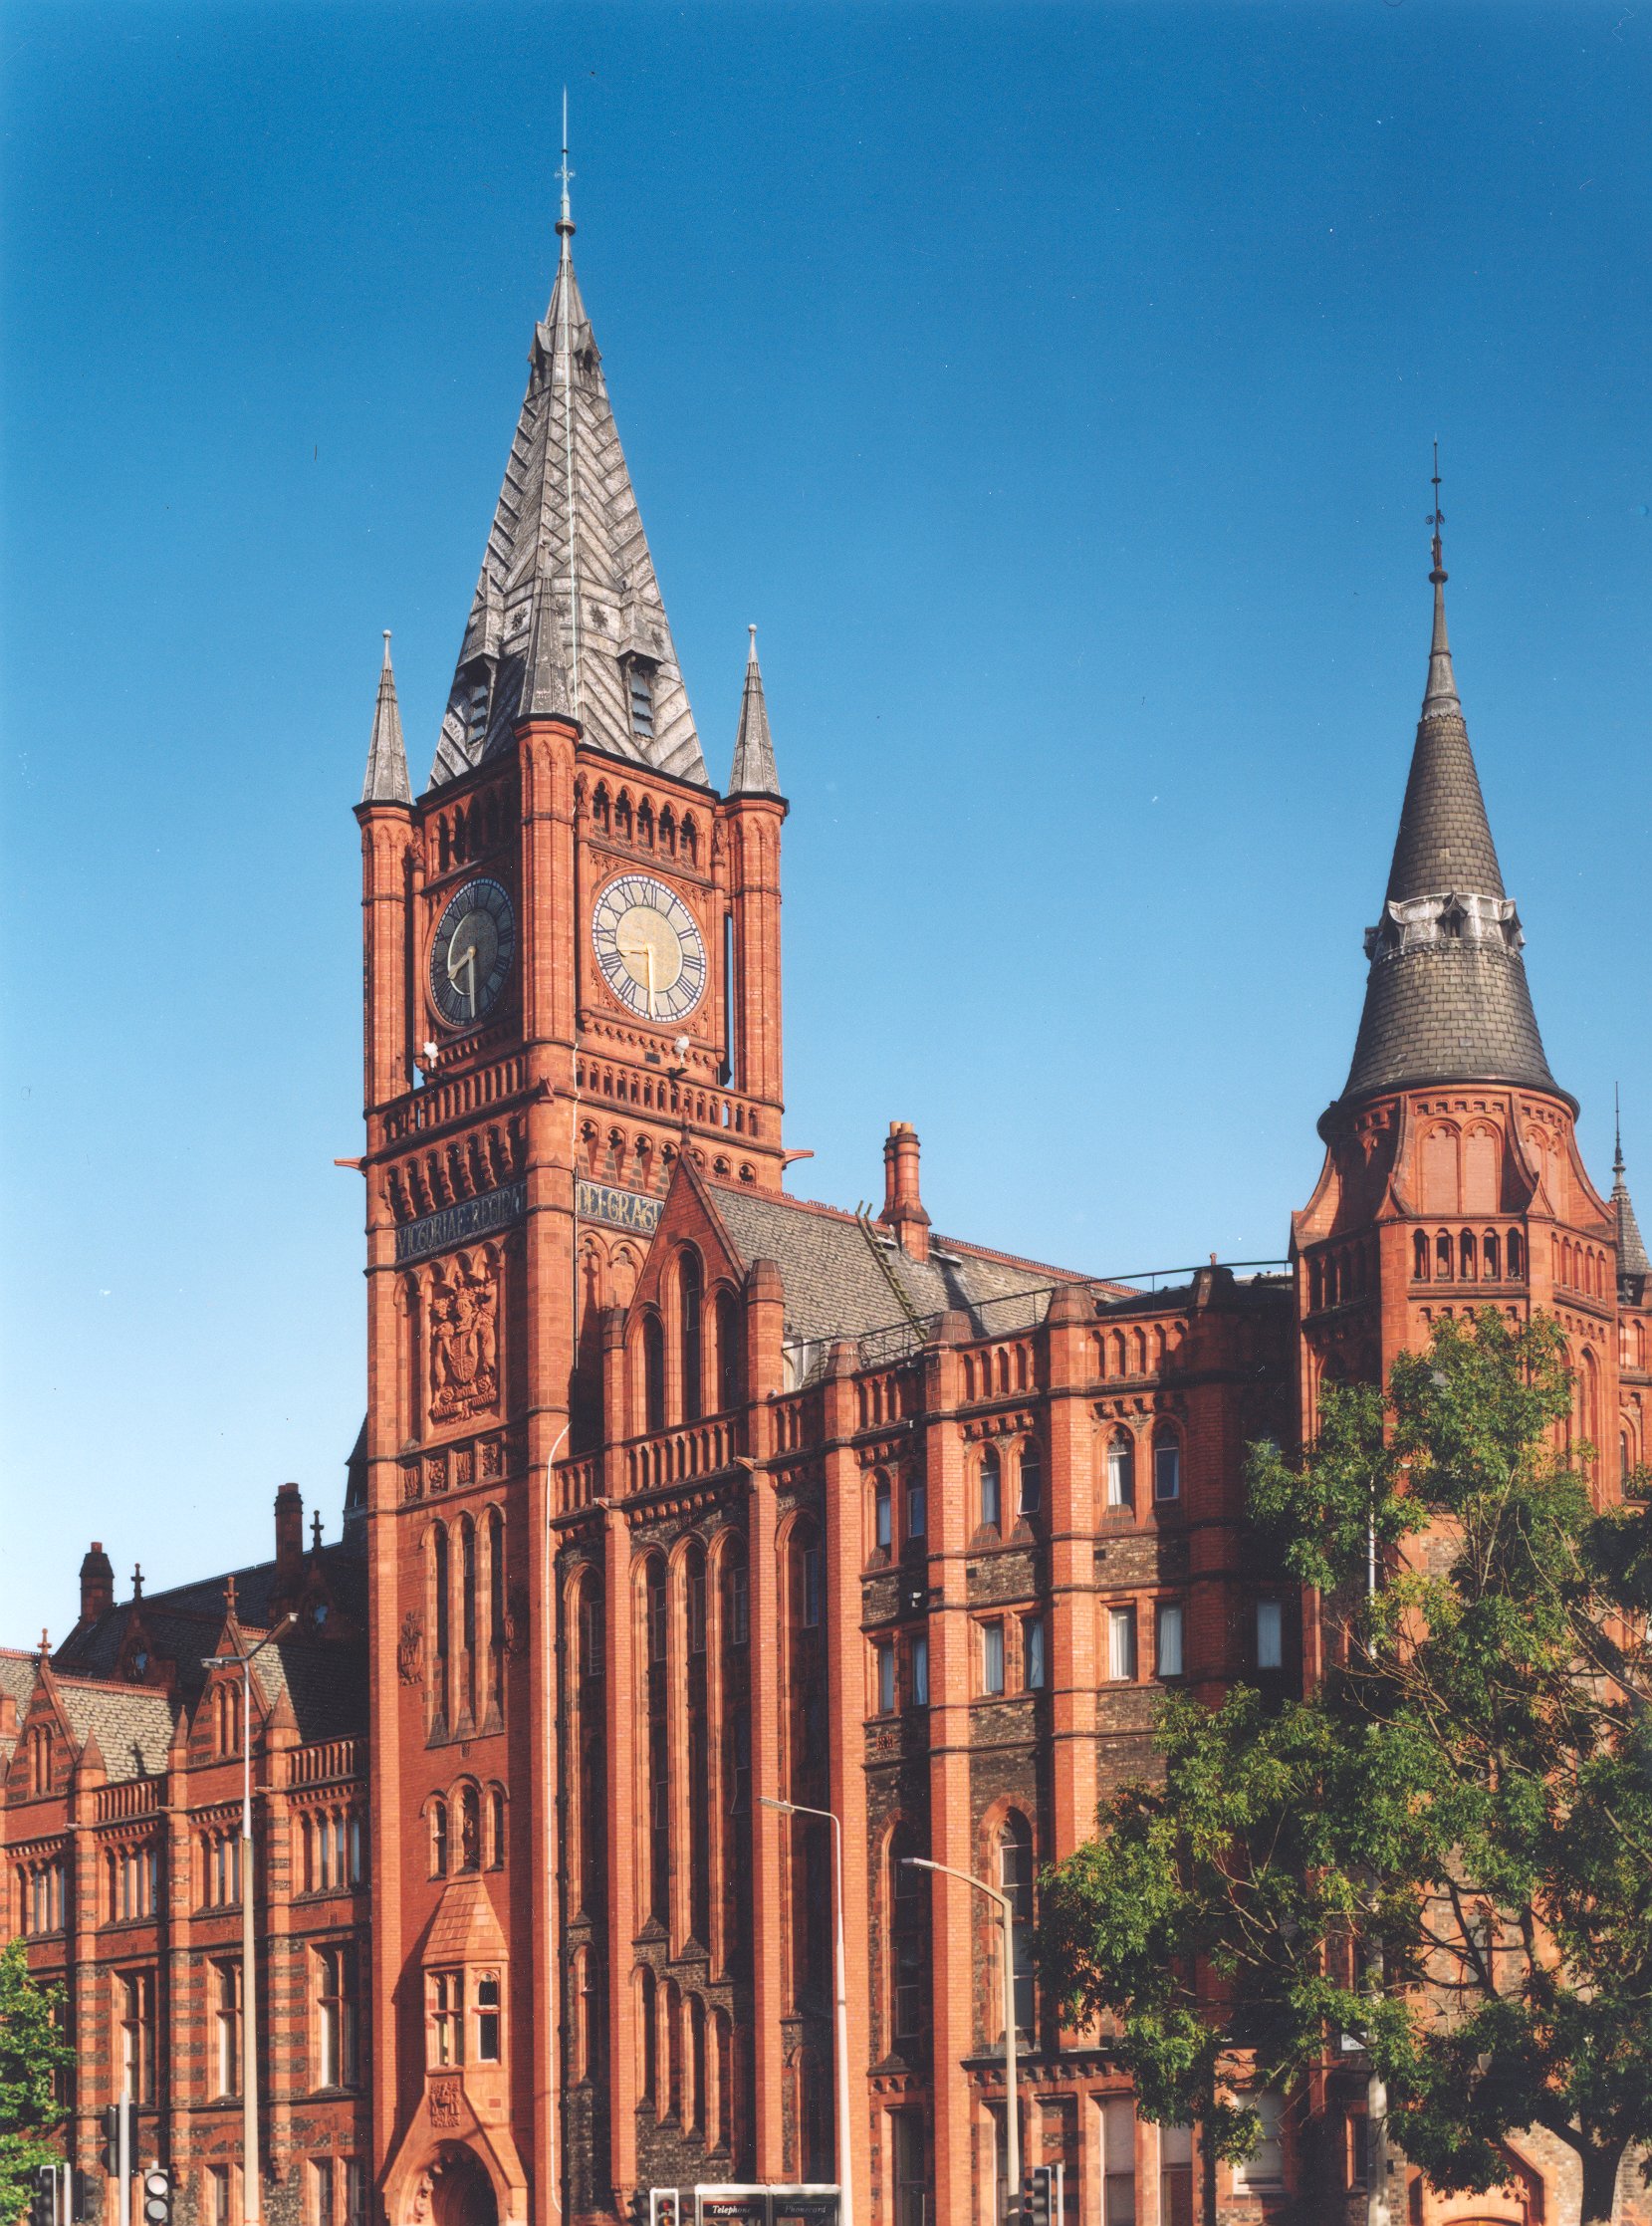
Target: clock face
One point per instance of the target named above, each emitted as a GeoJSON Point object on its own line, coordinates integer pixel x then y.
{"type": "Point", "coordinates": [470, 958]}
{"type": "Point", "coordinates": [651, 951]}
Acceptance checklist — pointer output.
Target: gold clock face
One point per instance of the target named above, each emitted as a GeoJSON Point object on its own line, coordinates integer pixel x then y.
{"type": "Point", "coordinates": [648, 947]}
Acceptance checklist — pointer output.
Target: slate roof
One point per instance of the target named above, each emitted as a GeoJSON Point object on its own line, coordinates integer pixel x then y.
{"type": "Point", "coordinates": [848, 1278]}
{"type": "Point", "coordinates": [18, 1673]}
{"type": "Point", "coordinates": [1635, 1269]}
{"type": "Point", "coordinates": [754, 750]}
{"type": "Point", "coordinates": [133, 1724]}
{"type": "Point", "coordinates": [1447, 998]}
{"type": "Point", "coordinates": [387, 778]}
{"type": "Point", "coordinates": [519, 651]}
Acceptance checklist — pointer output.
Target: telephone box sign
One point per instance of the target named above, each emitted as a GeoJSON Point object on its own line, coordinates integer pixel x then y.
{"type": "Point", "coordinates": [766, 2206]}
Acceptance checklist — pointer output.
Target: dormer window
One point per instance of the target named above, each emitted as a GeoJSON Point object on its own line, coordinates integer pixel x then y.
{"type": "Point", "coordinates": [643, 702]}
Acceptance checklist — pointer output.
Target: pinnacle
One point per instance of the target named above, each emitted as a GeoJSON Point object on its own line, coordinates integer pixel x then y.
{"type": "Point", "coordinates": [754, 750]}
{"type": "Point", "coordinates": [386, 779]}
{"type": "Point", "coordinates": [1632, 1260]}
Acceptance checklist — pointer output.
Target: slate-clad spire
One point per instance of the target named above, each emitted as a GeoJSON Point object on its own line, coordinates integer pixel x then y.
{"type": "Point", "coordinates": [1447, 997]}
{"type": "Point", "coordinates": [754, 750]}
{"type": "Point", "coordinates": [1635, 1269]}
{"type": "Point", "coordinates": [566, 619]}
{"type": "Point", "coordinates": [386, 781]}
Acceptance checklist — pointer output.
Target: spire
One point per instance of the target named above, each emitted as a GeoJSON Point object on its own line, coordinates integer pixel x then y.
{"type": "Point", "coordinates": [386, 781]}
{"type": "Point", "coordinates": [1446, 999]}
{"type": "Point", "coordinates": [567, 621]}
{"type": "Point", "coordinates": [754, 750]}
{"type": "Point", "coordinates": [1635, 1269]}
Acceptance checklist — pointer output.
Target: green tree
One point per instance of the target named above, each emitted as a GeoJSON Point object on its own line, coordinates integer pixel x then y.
{"type": "Point", "coordinates": [32, 2055]}
{"type": "Point", "coordinates": [1445, 1853]}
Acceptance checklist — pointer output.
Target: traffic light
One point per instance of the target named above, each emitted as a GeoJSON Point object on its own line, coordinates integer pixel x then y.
{"type": "Point", "coordinates": [43, 2197]}
{"type": "Point", "coordinates": [157, 2196]}
{"type": "Point", "coordinates": [665, 2211]}
{"type": "Point", "coordinates": [1035, 2191]}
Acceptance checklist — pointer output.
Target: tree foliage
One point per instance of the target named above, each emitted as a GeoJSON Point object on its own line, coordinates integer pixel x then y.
{"type": "Point", "coordinates": [1445, 1851]}
{"type": "Point", "coordinates": [32, 2054]}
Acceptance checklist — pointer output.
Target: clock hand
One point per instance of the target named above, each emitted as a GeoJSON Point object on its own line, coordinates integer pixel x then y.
{"type": "Point", "coordinates": [649, 947]}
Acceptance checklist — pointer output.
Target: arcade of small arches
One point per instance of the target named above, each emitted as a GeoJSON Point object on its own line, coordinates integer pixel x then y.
{"type": "Point", "coordinates": [465, 1827]}
{"type": "Point", "coordinates": [639, 822]}
{"type": "Point", "coordinates": [1467, 1256]}
{"type": "Point", "coordinates": [464, 833]}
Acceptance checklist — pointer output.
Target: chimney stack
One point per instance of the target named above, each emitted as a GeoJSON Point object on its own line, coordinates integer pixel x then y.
{"type": "Point", "coordinates": [96, 1584]}
{"type": "Point", "coordinates": [288, 1519]}
{"type": "Point", "coordinates": [902, 1205]}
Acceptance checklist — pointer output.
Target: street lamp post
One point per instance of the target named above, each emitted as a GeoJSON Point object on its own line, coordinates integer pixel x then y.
{"type": "Point", "coordinates": [251, 2207]}
{"type": "Point", "coordinates": [1006, 1921]}
{"type": "Point", "coordinates": [845, 2154]}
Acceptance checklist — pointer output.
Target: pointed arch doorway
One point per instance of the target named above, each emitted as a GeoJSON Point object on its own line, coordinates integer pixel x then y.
{"type": "Point", "coordinates": [456, 2191]}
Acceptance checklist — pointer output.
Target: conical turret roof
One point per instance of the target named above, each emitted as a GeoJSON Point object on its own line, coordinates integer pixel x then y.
{"type": "Point", "coordinates": [566, 619]}
{"type": "Point", "coordinates": [754, 750]}
{"type": "Point", "coordinates": [1447, 998]}
{"type": "Point", "coordinates": [387, 780]}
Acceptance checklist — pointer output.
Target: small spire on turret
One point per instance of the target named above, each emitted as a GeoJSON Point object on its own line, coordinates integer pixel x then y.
{"type": "Point", "coordinates": [754, 750]}
{"type": "Point", "coordinates": [1635, 1269]}
{"type": "Point", "coordinates": [387, 780]}
{"type": "Point", "coordinates": [1439, 697]}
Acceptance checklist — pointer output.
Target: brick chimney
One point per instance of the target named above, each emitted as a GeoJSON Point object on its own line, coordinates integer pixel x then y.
{"type": "Point", "coordinates": [902, 1206]}
{"type": "Point", "coordinates": [288, 1514]}
{"type": "Point", "coordinates": [96, 1584]}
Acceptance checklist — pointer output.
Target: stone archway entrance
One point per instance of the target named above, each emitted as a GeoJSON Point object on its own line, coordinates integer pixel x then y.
{"type": "Point", "coordinates": [455, 2190]}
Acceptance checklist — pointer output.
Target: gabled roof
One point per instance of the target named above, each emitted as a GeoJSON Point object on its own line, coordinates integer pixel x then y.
{"type": "Point", "coordinates": [1446, 999]}
{"type": "Point", "coordinates": [845, 1277]}
{"type": "Point", "coordinates": [532, 645]}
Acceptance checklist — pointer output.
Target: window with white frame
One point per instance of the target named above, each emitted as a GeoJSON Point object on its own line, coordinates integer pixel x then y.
{"type": "Point", "coordinates": [1167, 1638]}
{"type": "Point", "coordinates": [1034, 1663]}
{"type": "Point", "coordinates": [885, 1664]}
{"type": "Point", "coordinates": [355, 2192]}
{"type": "Point", "coordinates": [137, 2036]}
{"type": "Point", "coordinates": [1121, 1470]}
{"type": "Point", "coordinates": [1121, 1645]}
{"type": "Point", "coordinates": [336, 2016]}
{"type": "Point", "coordinates": [1265, 2166]}
{"type": "Point", "coordinates": [218, 2195]}
{"type": "Point", "coordinates": [1270, 1636]}
{"type": "Point", "coordinates": [444, 1994]}
{"type": "Point", "coordinates": [882, 1516]}
{"type": "Point", "coordinates": [992, 1489]}
{"type": "Point", "coordinates": [1176, 2175]}
{"type": "Point", "coordinates": [917, 1664]}
{"type": "Point", "coordinates": [226, 2026]}
{"type": "Point", "coordinates": [1030, 1474]}
{"type": "Point", "coordinates": [489, 2025]}
{"type": "Point", "coordinates": [1015, 1878]}
{"type": "Point", "coordinates": [322, 2190]}
{"type": "Point", "coordinates": [992, 1657]}
{"type": "Point", "coordinates": [1118, 2162]}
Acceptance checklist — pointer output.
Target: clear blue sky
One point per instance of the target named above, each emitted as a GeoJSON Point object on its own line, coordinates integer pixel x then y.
{"type": "Point", "coordinates": [1052, 385]}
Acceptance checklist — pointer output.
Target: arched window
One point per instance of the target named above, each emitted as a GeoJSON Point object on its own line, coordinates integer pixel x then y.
{"type": "Point", "coordinates": [725, 1320]}
{"type": "Point", "coordinates": [1466, 1256]}
{"type": "Point", "coordinates": [496, 1602]}
{"type": "Point", "coordinates": [583, 2019]}
{"type": "Point", "coordinates": [655, 1655]}
{"type": "Point", "coordinates": [992, 1489]}
{"type": "Point", "coordinates": [470, 1829]}
{"type": "Point", "coordinates": [1015, 1878]}
{"type": "Point", "coordinates": [1031, 1478]}
{"type": "Point", "coordinates": [1121, 1470]}
{"type": "Point", "coordinates": [673, 2050]}
{"type": "Point", "coordinates": [691, 838]}
{"type": "Point", "coordinates": [439, 1838]}
{"type": "Point", "coordinates": [599, 806]}
{"type": "Point", "coordinates": [1419, 1255]}
{"type": "Point", "coordinates": [698, 1760]}
{"type": "Point", "coordinates": [1589, 1403]}
{"type": "Point", "coordinates": [1138, 1353]}
{"type": "Point", "coordinates": [1481, 1182]}
{"type": "Point", "coordinates": [496, 1827]}
{"type": "Point", "coordinates": [691, 1302]}
{"type": "Point", "coordinates": [1491, 1253]}
{"type": "Point", "coordinates": [1517, 1256]}
{"type": "Point", "coordinates": [696, 2099]}
{"type": "Point", "coordinates": [1443, 1256]}
{"type": "Point", "coordinates": [724, 2035]}
{"type": "Point", "coordinates": [439, 1612]}
{"type": "Point", "coordinates": [647, 2020]}
{"type": "Point", "coordinates": [467, 1611]}
{"type": "Point", "coordinates": [622, 814]}
{"type": "Point", "coordinates": [654, 1374]}
{"type": "Point", "coordinates": [908, 1895]}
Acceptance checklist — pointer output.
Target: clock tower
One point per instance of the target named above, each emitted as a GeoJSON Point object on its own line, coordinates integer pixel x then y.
{"type": "Point", "coordinates": [570, 977]}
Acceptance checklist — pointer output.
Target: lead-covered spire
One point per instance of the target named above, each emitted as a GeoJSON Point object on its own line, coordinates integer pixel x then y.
{"type": "Point", "coordinates": [387, 780]}
{"type": "Point", "coordinates": [754, 750]}
{"type": "Point", "coordinates": [1446, 999]}
{"type": "Point", "coordinates": [1635, 1269]}
{"type": "Point", "coordinates": [566, 619]}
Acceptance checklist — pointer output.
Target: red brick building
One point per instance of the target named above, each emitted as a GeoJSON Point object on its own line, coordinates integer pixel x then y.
{"type": "Point", "coordinates": [677, 1496]}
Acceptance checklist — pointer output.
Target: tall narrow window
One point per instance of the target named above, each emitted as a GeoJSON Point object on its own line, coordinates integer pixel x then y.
{"type": "Point", "coordinates": [1118, 2162]}
{"type": "Point", "coordinates": [917, 1659]}
{"type": "Point", "coordinates": [886, 1658]}
{"type": "Point", "coordinates": [1035, 1671]}
{"type": "Point", "coordinates": [496, 1827]}
{"type": "Point", "coordinates": [654, 1374]}
{"type": "Point", "coordinates": [726, 1327]}
{"type": "Point", "coordinates": [137, 2036]}
{"type": "Point", "coordinates": [691, 1300]}
{"type": "Point", "coordinates": [1265, 2166]}
{"type": "Point", "coordinates": [658, 1748]}
{"type": "Point", "coordinates": [218, 2195]}
{"type": "Point", "coordinates": [992, 1489]}
{"type": "Point", "coordinates": [226, 2028]}
{"type": "Point", "coordinates": [1167, 1640]}
{"type": "Point", "coordinates": [992, 1657]}
{"type": "Point", "coordinates": [917, 1509]}
{"type": "Point", "coordinates": [496, 1602]}
{"type": "Point", "coordinates": [649, 2034]}
{"type": "Point", "coordinates": [731, 1004]}
{"type": "Point", "coordinates": [1419, 1256]}
{"type": "Point", "coordinates": [1167, 1469]}
{"type": "Point", "coordinates": [1176, 2175]}
{"type": "Point", "coordinates": [488, 2030]}
{"type": "Point", "coordinates": [1121, 1470]}
{"type": "Point", "coordinates": [335, 2017]}
{"type": "Point", "coordinates": [882, 1516]}
{"type": "Point", "coordinates": [810, 1586]}
{"type": "Point", "coordinates": [440, 1606]}
{"type": "Point", "coordinates": [1491, 1253]}
{"type": "Point", "coordinates": [1270, 1636]}
{"type": "Point", "coordinates": [355, 2192]}
{"type": "Point", "coordinates": [467, 1611]}
{"type": "Point", "coordinates": [1015, 1878]}
{"type": "Point", "coordinates": [320, 2182]}
{"type": "Point", "coordinates": [642, 704]}
{"type": "Point", "coordinates": [439, 1838]}
{"type": "Point", "coordinates": [1031, 1478]}
{"type": "Point", "coordinates": [1121, 1645]}
{"type": "Point", "coordinates": [445, 2018]}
